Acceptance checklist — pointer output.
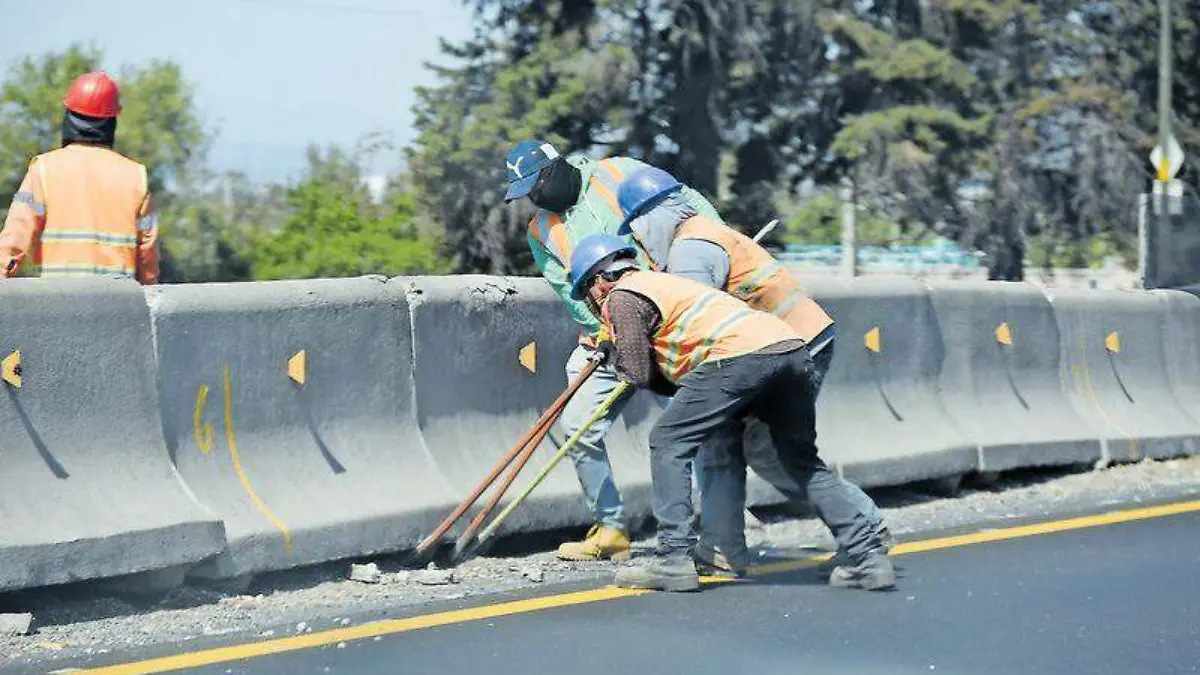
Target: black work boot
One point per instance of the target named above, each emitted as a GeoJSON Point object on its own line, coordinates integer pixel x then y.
{"type": "Point", "coordinates": [674, 572]}
{"type": "Point", "coordinates": [874, 572]}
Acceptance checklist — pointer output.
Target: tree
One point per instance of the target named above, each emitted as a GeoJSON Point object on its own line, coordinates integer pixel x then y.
{"type": "Point", "coordinates": [334, 229]}
{"type": "Point", "coordinates": [532, 70]}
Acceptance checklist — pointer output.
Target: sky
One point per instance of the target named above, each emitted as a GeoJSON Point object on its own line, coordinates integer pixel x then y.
{"type": "Point", "coordinates": [270, 76]}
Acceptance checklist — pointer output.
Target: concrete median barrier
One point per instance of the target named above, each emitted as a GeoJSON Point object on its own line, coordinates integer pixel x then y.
{"type": "Point", "coordinates": [1182, 340]}
{"type": "Point", "coordinates": [86, 487]}
{"type": "Point", "coordinates": [880, 420]}
{"type": "Point", "coordinates": [490, 354]}
{"type": "Point", "coordinates": [288, 408]}
{"type": "Point", "coordinates": [1115, 365]}
{"type": "Point", "coordinates": [1000, 379]}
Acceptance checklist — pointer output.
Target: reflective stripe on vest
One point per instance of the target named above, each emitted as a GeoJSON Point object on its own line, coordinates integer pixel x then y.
{"type": "Point", "coordinates": [66, 270]}
{"type": "Point", "coordinates": [94, 198]}
{"type": "Point", "coordinates": [758, 279]}
{"type": "Point", "coordinates": [700, 325]}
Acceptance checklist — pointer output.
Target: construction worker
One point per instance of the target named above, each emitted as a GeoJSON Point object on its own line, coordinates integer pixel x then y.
{"type": "Point", "coordinates": [681, 241]}
{"type": "Point", "coordinates": [726, 362]}
{"type": "Point", "coordinates": [84, 209]}
{"type": "Point", "coordinates": [576, 197]}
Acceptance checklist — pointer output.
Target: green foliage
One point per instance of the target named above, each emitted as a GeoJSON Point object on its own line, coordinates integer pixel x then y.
{"type": "Point", "coordinates": [333, 229]}
{"type": "Point", "coordinates": [819, 221]}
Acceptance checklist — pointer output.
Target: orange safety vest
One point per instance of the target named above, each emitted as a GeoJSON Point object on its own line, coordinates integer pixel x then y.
{"type": "Point", "coordinates": [95, 202]}
{"type": "Point", "coordinates": [758, 279]}
{"type": "Point", "coordinates": [699, 324]}
{"type": "Point", "coordinates": [549, 228]}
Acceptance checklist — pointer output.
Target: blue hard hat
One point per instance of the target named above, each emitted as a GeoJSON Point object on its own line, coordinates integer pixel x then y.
{"type": "Point", "coordinates": [590, 253]}
{"type": "Point", "coordinates": [641, 190]}
{"type": "Point", "coordinates": [524, 163]}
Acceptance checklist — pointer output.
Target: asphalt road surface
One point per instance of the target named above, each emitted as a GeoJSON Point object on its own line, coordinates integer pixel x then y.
{"type": "Point", "coordinates": [1081, 596]}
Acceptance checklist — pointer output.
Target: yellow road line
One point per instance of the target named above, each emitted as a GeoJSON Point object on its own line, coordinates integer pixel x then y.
{"type": "Point", "coordinates": [236, 458]}
{"type": "Point", "coordinates": [393, 626]}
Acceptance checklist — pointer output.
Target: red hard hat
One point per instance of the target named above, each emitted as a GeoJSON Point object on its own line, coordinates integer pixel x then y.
{"type": "Point", "coordinates": [94, 95]}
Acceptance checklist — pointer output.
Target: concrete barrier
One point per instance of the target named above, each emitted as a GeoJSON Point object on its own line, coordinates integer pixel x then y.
{"type": "Point", "coordinates": [475, 398]}
{"type": "Point", "coordinates": [1000, 377]}
{"type": "Point", "coordinates": [880, 420]}
{"type": "Point", "coordinates": [86, 489]}
{"type": "Point", "coordinates": [319, 420]}
{"type": "Point", "coordinates": [1115, 366]}
{"type": "Point", "coordinates": [305, 471]}
{"type": "Point", "coordinates": [1182, 346]}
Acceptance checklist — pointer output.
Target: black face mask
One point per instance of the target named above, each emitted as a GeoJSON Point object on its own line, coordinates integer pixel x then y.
{"type": "Point", "coordinates": [557, 187]}
{"type": "Point", "coordinates": [81, 129]}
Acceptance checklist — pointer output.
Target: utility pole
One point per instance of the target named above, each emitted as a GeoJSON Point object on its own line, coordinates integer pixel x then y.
{"type": "Point", "coordinates": [849, 228]}
{"type": "Point", "coordinates": [1165, 170]}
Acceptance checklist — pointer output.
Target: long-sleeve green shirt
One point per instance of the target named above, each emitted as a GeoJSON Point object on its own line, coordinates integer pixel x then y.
{"type": "Point", "coordinates": [593, 214]}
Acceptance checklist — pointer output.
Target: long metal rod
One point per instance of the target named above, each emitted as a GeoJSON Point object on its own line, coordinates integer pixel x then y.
{"type": "Point", "coordinates": [600, 412]}
{"type": "Point", "coordinates": [498, 493]}
{"type": "Point", "coordinates": [549, 416]}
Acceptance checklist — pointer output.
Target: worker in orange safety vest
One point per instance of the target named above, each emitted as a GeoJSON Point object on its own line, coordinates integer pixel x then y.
{"type": "Point", "coordinates": [84, 210]}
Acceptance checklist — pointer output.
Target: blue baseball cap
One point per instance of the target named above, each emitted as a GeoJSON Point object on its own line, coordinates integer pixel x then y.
{"type": "Point", "coordinates": [524, 164]}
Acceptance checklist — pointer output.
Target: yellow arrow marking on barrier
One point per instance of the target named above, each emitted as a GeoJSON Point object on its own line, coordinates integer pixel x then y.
{"type": "Point", "coordinates": [1004, 334]}
{"type": "Point", "coordinates": [298, 367]}
{"type": "Point", "coordinates": [202, 429]}
{"type": "Point", "coordinates": [10, 368]}
{"type": "Point", "coordinates": [528, 357]}
{"type": "Point", "coordinates": [1113, 343]}
{"type": "Point", "coordinates": [873, 340]}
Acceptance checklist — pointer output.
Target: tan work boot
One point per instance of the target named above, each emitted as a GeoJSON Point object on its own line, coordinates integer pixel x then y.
{"type": "Point", "coordinates": [601, 542]}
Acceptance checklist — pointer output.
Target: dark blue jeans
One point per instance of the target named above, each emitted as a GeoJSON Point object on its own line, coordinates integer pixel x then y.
{"type": "Point", "coordinates": [706, 418]}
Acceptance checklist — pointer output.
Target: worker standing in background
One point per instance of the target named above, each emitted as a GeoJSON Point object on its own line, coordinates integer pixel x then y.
{"type": "Point", "coordinates": [681, 241]}
{"type": "Point", "coordinates": [727, 361]}
{"type": "Point", "coordinates": [576, 197]}
{"type": "Point", "coordinates": [84, 209]}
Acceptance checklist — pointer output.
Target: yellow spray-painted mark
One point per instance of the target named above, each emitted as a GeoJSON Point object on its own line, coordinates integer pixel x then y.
{"type": "Point", "coordinates": [202, 429]}
{"type": "Point", "coordinates": [873, 340]}
{"type": "Point", "coordinates": [1095, 401]}
{"type": "Point", "coordinates": [1004, 334]}
{"type": "Point", "coordinates": [241, 472]}
{"type": "Point", "coordinates": [1113, 343]}
{"type": "Point", "coordinates": [297, 368]}
{"type": "Point", "coordinates": [528, 357]}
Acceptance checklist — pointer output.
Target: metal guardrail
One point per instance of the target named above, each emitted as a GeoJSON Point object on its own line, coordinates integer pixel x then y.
{"type": "Point", "coordinates": [896, 257]}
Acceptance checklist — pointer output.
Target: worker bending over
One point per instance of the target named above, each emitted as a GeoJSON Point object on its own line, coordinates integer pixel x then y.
{"type": "Point", "coordinates": [682, 241]}
{"type": "Point", "coordinates": [577, 196]}
{"type": "Point", "coordinates": [84, 209]}
{"type": "Point", "coordinates": [724, 361]}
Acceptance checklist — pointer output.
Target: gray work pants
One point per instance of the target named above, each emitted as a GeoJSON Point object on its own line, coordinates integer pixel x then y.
{"type": "Point", "coordinates": [589, 454]}
{"type": "Point", "coordinates": [723, 526]}
{"type": "Point", "coordinates": [705, 420]}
